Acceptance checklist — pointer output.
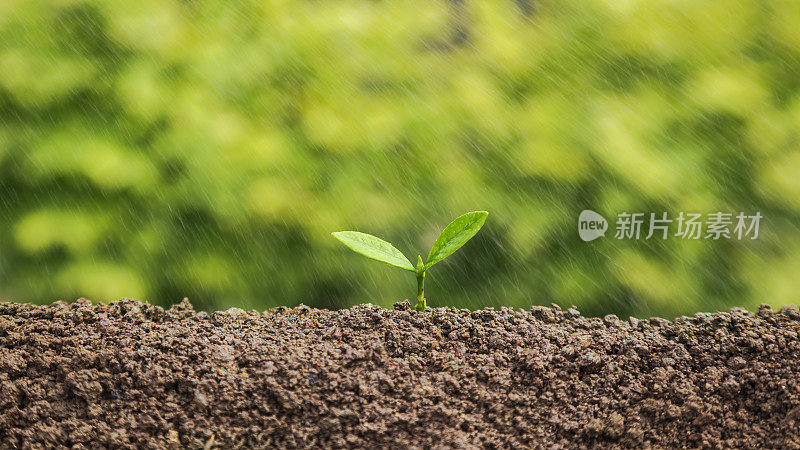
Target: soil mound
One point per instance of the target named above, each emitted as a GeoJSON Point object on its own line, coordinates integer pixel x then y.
{"type": "Point", "coordinates": [130, 374]}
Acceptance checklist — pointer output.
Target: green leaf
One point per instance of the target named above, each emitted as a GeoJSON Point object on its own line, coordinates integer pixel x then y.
{"type": "Point", "coordinates": [455, 235]}
{"type": "Point", "coordinates": [374, 248]}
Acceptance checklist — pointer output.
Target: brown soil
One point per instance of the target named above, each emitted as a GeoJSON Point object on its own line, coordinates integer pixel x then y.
{"type": "Point", "coordinates": [130, 374]}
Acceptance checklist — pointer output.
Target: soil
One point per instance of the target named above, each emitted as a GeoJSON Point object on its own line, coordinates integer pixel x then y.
{"type": "Point", "coordinates": [129, 374]}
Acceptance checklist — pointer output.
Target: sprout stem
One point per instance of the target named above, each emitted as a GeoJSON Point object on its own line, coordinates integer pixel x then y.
{"type": "Point", "coordinates": [421, 303]}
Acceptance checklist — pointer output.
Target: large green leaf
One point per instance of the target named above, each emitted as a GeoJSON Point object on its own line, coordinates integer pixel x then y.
{"type": "Point", "coordinates": [375, 248]}
{"type": "Point", "coordinates": [455, 235]}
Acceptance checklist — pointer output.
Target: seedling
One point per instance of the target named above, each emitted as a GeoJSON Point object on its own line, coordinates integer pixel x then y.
{"type": "Point", "coordinates": [451, 239]}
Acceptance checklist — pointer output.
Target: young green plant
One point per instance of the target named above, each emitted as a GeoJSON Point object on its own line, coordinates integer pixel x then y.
{"type": "Point", "coordinates": [451, 239]}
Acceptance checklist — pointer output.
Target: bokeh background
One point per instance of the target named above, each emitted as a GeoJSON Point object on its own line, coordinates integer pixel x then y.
{"type": "Point", "coordinates": [158, 149]}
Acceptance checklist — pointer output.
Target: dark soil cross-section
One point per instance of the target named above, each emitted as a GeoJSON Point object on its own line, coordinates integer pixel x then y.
{"type": "Point", "coordinates": [133, 375]}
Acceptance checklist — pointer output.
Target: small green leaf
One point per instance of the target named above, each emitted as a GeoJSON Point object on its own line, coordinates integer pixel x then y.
{"type": "Point", "coordinates": [374, 248]}
{"type": "Point", "coordinates": [455, 235]}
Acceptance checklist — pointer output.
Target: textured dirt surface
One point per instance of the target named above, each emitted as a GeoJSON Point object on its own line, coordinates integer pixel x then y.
{"type": "Point", "coordinates": [130, 374]}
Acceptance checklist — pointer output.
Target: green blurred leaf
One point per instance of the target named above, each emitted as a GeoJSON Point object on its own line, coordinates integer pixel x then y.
{"type": "Point", "coordinates": [374, 248]}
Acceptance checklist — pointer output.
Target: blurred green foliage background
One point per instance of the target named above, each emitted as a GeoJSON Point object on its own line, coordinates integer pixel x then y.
{"type": "Point", "coordinates": [158, 149]}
